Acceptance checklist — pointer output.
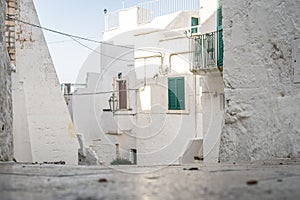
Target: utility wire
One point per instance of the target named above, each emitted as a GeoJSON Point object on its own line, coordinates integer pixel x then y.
{"type": "Point", "coordinates": [99, 52]}
{"type": "Point", "coordinates": [58, 41]}
{"type": "Point", "coordinates": [94, 93]}
{"type": "Point", "coordinates": [74, 36]}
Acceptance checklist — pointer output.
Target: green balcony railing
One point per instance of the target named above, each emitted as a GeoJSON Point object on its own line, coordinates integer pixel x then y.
{"type": "Point", "coordinates": [207, 51]}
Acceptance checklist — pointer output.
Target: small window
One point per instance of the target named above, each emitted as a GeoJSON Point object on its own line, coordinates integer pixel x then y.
{"type": "Point", "coordinates": [194, 22]}
{"type": "Point", "coordinates": [176, 93]}
{"type": "Point", "coordinates": [122, 93]}
{"type": "Point", "coordinates": [134, 156]}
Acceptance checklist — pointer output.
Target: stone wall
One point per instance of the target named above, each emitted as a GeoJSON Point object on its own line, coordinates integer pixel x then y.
{"type": "Point", "coordinates": [262, 117]}
{"type": "Point", "coordinates": [6, 145]}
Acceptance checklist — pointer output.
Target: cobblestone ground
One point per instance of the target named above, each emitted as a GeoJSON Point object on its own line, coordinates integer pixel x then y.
{"type": "Point", "coordinates": [276, 179]}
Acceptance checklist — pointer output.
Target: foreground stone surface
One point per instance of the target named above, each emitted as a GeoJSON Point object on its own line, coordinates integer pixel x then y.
{"type": "Point", "coordinates": [277, 179]}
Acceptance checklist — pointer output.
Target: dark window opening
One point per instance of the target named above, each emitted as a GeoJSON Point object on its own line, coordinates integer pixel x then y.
{"type": "Point", "coordinates": [134, 156]}
{"type": "Point", "coordinates": [122, 94]}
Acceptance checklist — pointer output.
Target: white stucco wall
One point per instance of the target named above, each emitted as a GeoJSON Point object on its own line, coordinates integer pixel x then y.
{"type": "Point", "coordinates": [213, 114]}
{"type": "Point", "coordinates": [163, 136]}
{"type": "Point", "coordinates": [88, 115]}
{"type": "Point", "coordinates": [6, 138]}
{"type": "Point", "coordinates": [160, 136]}
{"type": "Point", "coordinates": [208, 20]}
{"type": "Point", "coordinates": [42, 125]}
{"type": "Point", "coordinates": [262, 102]}
{"type": "Point", "coordinates": [160, 50]}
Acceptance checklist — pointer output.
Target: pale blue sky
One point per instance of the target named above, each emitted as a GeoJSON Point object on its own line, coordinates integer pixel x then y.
{"type": "Point", "coordinates": [77, 17]}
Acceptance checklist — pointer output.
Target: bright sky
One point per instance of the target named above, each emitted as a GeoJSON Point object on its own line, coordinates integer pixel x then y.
{"type": "Point", "coordinates": [77, 17]}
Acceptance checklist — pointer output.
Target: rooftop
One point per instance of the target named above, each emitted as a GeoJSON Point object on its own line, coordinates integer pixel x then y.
{"type": "Point", "coordinates": [147, 11]}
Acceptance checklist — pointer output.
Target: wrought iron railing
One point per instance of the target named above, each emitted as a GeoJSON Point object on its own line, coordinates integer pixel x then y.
{"type": "Point", "coordinates": [207, 51]}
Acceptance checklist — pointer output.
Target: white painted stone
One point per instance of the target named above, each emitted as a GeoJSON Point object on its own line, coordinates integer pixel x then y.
{"type": "Point", "coordinates": [262, 102]}
{"type": "Point", "coordinates": [43, 130]}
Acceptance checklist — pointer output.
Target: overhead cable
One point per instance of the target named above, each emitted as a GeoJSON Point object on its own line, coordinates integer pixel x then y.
{"type": "Point", "coordinates": [74, 36]}
{"type": "Point", "coordinates": [130, 61]}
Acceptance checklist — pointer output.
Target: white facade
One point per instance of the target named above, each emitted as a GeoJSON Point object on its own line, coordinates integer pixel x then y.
{"type": "Point", "coordinates": [208, 15]}
{"type": "Point", "coordinates": [212, 97]}
{"type": "Point", "coordinates": [43, 130]}
{"type": "Point", "coordinates": [144, 57]}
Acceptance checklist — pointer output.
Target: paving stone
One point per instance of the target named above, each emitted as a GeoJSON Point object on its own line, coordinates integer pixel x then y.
{"type": "Point", "coordinates": [210, 181]}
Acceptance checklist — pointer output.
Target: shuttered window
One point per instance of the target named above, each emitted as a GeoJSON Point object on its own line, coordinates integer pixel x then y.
{"type": "Point", "coordinates": [176, 93]}
{"type": "Point", "coordinates": [122, 94]}
{"type": "Point", "coordinates": [219, 35]}
{"type": "Point", "coordinates": [194, 22]}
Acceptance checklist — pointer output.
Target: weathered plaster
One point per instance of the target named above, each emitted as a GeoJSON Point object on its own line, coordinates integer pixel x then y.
{"type": "Point", "coordinates": [262, 117]}
{"type": "Point", "coordinates": [43, 128]}
{"type": "Point", "coordinates": [6, 144]}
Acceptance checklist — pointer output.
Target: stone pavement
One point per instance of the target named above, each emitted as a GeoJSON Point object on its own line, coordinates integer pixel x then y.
{"type": "Point", "coordinates": [275, 179]}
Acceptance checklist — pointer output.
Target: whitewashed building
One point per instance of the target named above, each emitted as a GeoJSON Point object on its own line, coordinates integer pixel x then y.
{"type": "Point", "coordinates": [167, 110]}
{"type": "Point", "coordinates": [42, 127]}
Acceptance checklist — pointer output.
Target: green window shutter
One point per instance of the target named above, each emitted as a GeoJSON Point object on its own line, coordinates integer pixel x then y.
{"type": "Point", "coordinates": [180, 93]}
{"type": "Point", "coordinates": [172, 93]}
{"type": "Point", "coordinates": [220, 49]}
{"type": "Point", "coordinates": [219, 35]}
{"type": "Point", "coordinates": [195, 22]}
{"type": "Point", "coordinates": [219, 15]}
{"type": "Point", "coordinates": [176, 93]}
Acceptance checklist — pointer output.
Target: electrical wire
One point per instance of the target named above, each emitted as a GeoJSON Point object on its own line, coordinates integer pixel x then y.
{"type": "Point", "coordinates": [74, 36]}
{"type": "Point", "coordinates": [94, 93]}
{"type": "Point", "coordinates": [59, 41]}
{"type": "Point", "coordinates": [99, 52]}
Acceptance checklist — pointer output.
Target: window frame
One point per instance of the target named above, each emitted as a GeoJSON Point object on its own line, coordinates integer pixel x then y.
{"type": "Point", "coordinates": [117, 92]}
{"type": "Point", "coordinates": [194, 22]}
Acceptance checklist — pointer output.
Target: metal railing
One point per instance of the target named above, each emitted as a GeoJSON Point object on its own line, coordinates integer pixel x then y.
{"type": "Point", "coordinates": [207, 51]}
{"type": "Point", "coordinates": [147, 11]}
{"type": "Point", "coordinates": [163, 7]}
{"type": "Point", "coordinates": [112, 20]}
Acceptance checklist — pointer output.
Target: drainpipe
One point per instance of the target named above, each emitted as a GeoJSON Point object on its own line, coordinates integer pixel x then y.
{"type": "Point", "coordinates": [148, 57]}
{"type": "Point", "coordinates": [175, 54]}
{"type": "Point", "coordinates": [153, 56]}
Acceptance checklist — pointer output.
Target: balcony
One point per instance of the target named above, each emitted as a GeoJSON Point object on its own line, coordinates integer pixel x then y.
{"type": "Point", "coordinates": [145, 12]}
{"type": "Point", "coordinates": [207, 52]}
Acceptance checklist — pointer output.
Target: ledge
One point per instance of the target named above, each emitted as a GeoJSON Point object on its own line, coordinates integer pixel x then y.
{"type": "Point", "coordinates": [178, 112]}
{"type": "Point", "coordinates": [202, 71]}
{"type": "Point", "coordinates": [113, 133]}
